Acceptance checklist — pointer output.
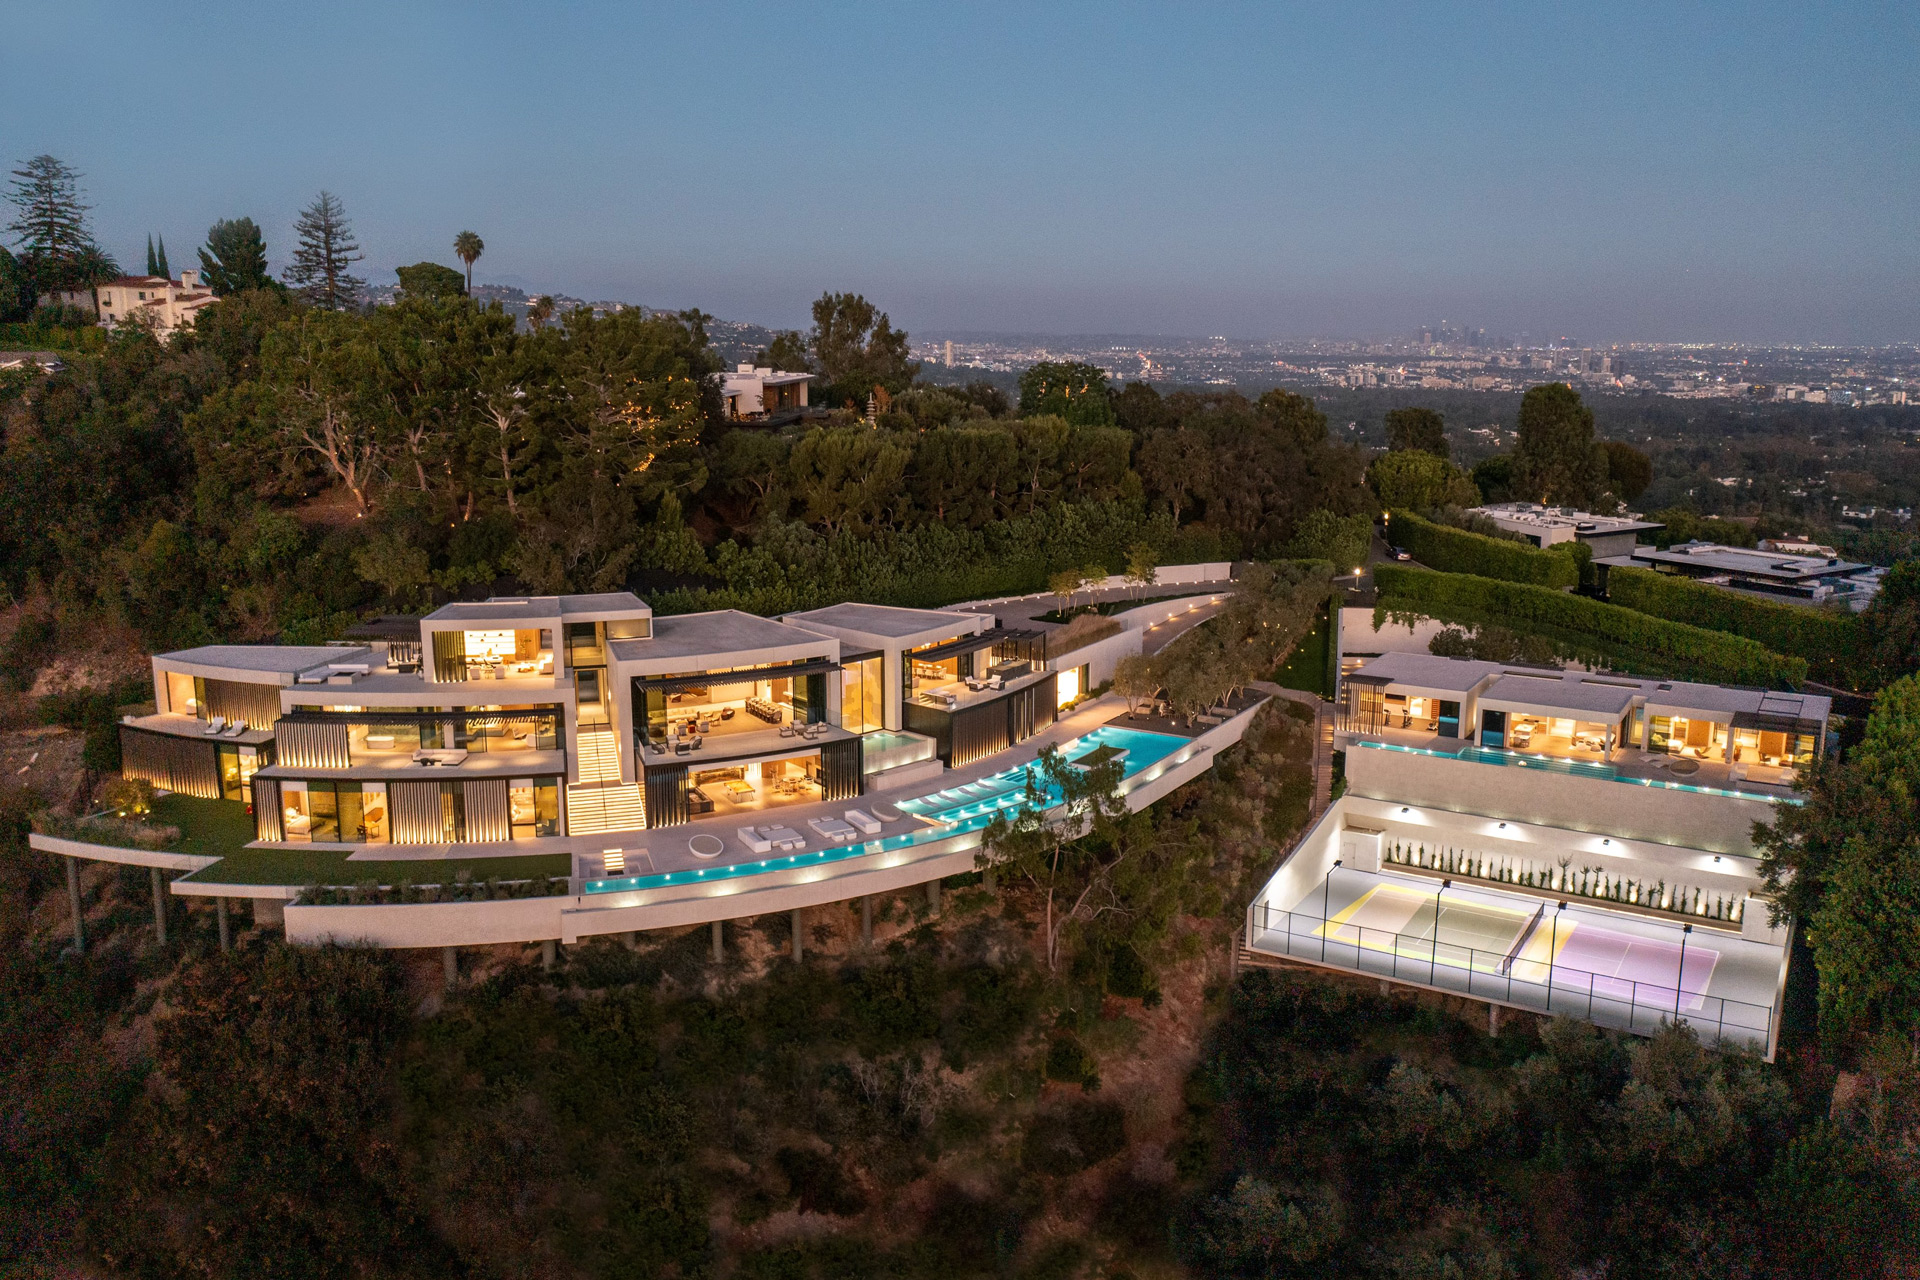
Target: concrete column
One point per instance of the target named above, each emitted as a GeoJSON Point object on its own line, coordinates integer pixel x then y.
{"type": "Point", "coordinates": [866, 921]}
{"type": "Point", "coordinates": [1493, 1019]}
{"type": "Point", "coordinates": [73, 901]}
{"type": "Point", "coordinates": [799, 927]}
{"type": "Point", "coordinates": [159, 904]}
{"type": "Point", "coordinates": [719, 942]}
{"type": "Point", "coordinates": [450, 966]}
{"type": "Point", "coordinates": [549, 950]}
{"type": "Point", "coordinates": [986, 878]}
{"type": "Point", "coordinates": [933, 898]}
{"type": "Point", "coordinates": [632, 939]}
{"type": "Point", "coordinates": [226, 937]}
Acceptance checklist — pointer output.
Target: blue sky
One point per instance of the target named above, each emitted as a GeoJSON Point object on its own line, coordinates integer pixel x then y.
{"type": "Point", "coordinates": [1670, 171]}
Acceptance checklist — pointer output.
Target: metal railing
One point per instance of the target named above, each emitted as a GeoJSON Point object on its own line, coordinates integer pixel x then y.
{"type": "Point", "coordinates": [1542, 986]}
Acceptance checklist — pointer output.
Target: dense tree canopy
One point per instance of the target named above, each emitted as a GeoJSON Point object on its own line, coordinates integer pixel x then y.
{"type": "Point", "coordinates": [1555, 457]}
{"type": "Point", "coordinates": [1067, 389]}
{"type": "Point", "coordinates": [1418, 428]}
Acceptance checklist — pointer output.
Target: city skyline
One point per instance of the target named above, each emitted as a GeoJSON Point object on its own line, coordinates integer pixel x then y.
{"type": "Point", "coordinates": [1715, 175]}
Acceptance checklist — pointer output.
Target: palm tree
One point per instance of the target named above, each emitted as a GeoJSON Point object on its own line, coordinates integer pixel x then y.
{"type": "Point", "coordinates": [468, 247]}
{"type": "Point", "coordinates": [539, 311]}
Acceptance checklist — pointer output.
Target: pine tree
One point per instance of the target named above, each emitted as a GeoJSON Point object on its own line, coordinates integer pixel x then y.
{"type": "Point", "coordinates": [56, 249]}
{"type": "Point", "coordinates": [234, 257]}
{"type": "Point", "coordinates": [326, 249]}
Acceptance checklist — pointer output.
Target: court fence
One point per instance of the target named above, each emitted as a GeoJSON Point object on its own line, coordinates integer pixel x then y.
{"type": "Point", "coordinates": [1502, 977]}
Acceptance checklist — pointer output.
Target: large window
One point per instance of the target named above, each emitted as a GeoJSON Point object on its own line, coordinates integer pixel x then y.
{"type": "Point", "coordinates": [334, 812]}
{"type": "Point", "coordinates": [862, 708]}
{"type": "Point", "coordinates": [184, 695]}
{"type": "Point", "coordinates": [533, 806]}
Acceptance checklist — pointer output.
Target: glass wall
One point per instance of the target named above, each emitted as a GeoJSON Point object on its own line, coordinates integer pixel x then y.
{"type": "Point", "coordinates": [505, 653]}
{"type": "Point", "coordinates": [533, 807]}
{"type": "Point", "coordinates": [1685, 736]}
{"type": "Point", "coordinates": [334, 812]}
{"type": "Point", "coordinates": [488, 729]}
{"type": "Point", "coordinates": [735, 702]}
{"type": "Point", "coordinates": [862, 708]}
{"type": "Point", "coordinates": [183, 695]}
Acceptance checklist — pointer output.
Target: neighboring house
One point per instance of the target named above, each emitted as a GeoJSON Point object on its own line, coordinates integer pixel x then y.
{"type": "Point", "coordinates": [1547, 526]}
{"type": "Point", "coordinates": [1563, 842]}
{"type": "Point", "coordinates": [1809, 579]}
{"type": "Point", "coordinates": [753, 394]}
{"type": "Point", "coordinates": [155, 301]}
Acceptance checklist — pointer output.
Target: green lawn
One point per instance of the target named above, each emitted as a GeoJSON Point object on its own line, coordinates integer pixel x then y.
{"type": "Point", "coordinates": [1306, 669]}
{"type": "Point", "coordinates": [1108, 608]}
{"type": "Point", "coordinates": [209, 828]}
{"type": "Point", "coordinates": [330, 866]}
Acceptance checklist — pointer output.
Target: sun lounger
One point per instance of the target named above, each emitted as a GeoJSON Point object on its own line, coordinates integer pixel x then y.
{"type": "Point", "coordinates": [215, 725]}
{"type": "Point", "coordinates": [235, 729]}
{"type": "Point", "coordinates": [865, 821]}
{"type": "Point", "coordinates": [832, 830]}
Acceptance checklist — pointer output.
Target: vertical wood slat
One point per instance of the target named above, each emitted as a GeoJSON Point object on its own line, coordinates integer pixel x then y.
{"type": "Point", "coordinates": [187, 765]}
{"type": "Point", "coordinates": [267, 823]}
{"type": "Point", "coordinates": [415, 808]}
{"type": "Point", "coordinates": [312, 744]}
{"type": "Point", "coordinates": [255, 705]}
{"type": "Point", "coordinates": [486, 806]}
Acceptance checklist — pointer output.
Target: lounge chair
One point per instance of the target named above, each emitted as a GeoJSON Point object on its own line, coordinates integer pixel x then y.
{"type": "Point", "coordinates": [865, 821]}
{"type": "Point", "coordinates": [215, 725]}
{"type": "Point", "coordinates": [788, 731]}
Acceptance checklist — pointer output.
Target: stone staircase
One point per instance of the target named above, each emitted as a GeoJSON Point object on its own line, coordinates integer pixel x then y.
{"type": "Point", "coordinates": [599, 802]}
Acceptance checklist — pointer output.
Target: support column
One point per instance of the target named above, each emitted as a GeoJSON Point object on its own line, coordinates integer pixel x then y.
{"type": "Point", "coordinates": [548, 953]}
{"type": "Point", "coordinates": [159, 905]}
{"type": "Point", "coordinates": [799, 926]}
{"type": "Point", "coordinates": [719, 942]}
{"type": "Point", "coordinates": [1493, 1019]}
{"type": "Point", "coordinates": [73, 901]}
{"type": "Point", "coordinates": [866, 921]}
{"type": "Point", "coordinates": [632, 939]}
{"type": "Point", "coordinates": [933, 899]}
{"type": "Point", "coordinates": [986, 878]}
{"type": "Point", "coordinates": [450, 966]}
{"type": "Point", "coordinates": [226, 936]}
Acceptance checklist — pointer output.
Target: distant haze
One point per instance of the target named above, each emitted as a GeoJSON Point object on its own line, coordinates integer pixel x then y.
{"type": "Point", "coordinates": [1704, 172]}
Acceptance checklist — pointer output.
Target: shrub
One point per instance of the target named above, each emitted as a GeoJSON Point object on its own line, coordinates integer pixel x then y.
{"type": "Point", "coordinates": [1630, 638]}
{"type": "Point", "coordinates": [1128, 975]}
{"type": "Point", "coordinates": [1063, 1141]}
{"type": "Point", "coordinates": [1458, 551]}
{"type": "Point", "coordinates": [1826, 640]}
{"type": "Point", "coordinates": [1069, 1062]}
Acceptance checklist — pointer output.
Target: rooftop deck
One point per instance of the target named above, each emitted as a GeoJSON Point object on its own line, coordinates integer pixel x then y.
{"type": "Point", "coordinates": [192, 727]}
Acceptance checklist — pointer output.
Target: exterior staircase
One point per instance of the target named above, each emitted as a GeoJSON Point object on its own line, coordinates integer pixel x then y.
{"type": "Point", "coordinates": [599, 802]}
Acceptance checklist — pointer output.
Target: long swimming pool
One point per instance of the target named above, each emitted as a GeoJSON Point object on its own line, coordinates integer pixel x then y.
{"type": "Point", "coordinates": [968, 806]}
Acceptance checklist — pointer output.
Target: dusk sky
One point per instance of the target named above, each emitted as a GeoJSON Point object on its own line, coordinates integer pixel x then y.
{"type": "Point", "coordinates": [1659, 172]}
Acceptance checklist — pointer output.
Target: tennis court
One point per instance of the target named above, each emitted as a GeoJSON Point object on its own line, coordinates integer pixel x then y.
{"type": "Point", "coordinates": [1516, 941]}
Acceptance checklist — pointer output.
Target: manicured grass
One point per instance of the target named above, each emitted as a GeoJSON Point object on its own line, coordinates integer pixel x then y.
{"type": "Point", "coordinates": [330, 866]}
{"type": "Point", "coordinates": [1108, 608]}
{"type": "Point", "coordinates": [1306, 668]}
{"type": "Point", "coordinates": [209, 828]}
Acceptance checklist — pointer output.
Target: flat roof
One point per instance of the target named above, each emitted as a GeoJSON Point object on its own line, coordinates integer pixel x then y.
{"type": "Point", "coordinates": [716, 634]}
{"type": "Point", "coordinates": [1563, 694]}
{"type": "Point", "coordinates": [267, 659]}
{"type": "Point", "coordinates": [889, 620]}
{"type": "Point", "coordinates": [1776, 566]}
{"type": "Point", "coordinates": [1533, 515]}
{"type": "Point", "coordinates": [531, 608]}
{"type": "Point", "coordinates": [1430, 671]}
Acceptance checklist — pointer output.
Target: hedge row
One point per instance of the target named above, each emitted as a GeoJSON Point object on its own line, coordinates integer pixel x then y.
{"type": "Point", "coordinates": [1825, 640]}
{"type": "Point", "coordinates": [1451, 550]}
{"type": "Point", "coordinates": [1656, 645]}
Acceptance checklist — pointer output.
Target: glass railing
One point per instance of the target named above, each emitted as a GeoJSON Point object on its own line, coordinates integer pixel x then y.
{"type": "Point", "coordinates": [957, 810]}
{"type": "Point", "coordinates": [1507, 977]}
{"type": "Point", "coordinates": [1572, 768]}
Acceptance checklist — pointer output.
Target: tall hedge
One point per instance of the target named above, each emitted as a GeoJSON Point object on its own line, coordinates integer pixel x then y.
{"type": "Point", "coordinates": [1451, 550]}
{"type": "Point", "coordinates": [1826, 640]}
{"type": "Point", "coordinates": [1637, 640]}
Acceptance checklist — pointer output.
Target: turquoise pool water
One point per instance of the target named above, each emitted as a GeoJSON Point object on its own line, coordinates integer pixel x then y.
{"type": "Point", "coordinates": [957, 810]}
{"type": "Point", "coordinates": [1574, 768]}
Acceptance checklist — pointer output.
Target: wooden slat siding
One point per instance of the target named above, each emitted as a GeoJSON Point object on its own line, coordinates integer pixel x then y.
{"type": "Point", "coordinates": [487, 809]}
{"type": "Point", "coordinates": [255, 705]}
{"type": "Point", "coordinates": [267, 823]}
{"type": "Point", "coordinates": [981, 730]}
{"type": "Point", "coordinates": [840, 770]}
{"type": "Point", "coordinates": [415, 807]}
{"type": "Point", "coordinates": [929, 722]}
{"type": "Point", "coordinates": [449, 656]}
{"type": "Point", "coordinates": [190, 766]}
{"type": "Point", "coordinates": [312, 744]}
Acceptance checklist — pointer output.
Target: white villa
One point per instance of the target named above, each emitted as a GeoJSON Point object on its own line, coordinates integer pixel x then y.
{"type": "Point", "coordinates": [156, 301]}
{"type": "Point", "coordinates": [753, 393]}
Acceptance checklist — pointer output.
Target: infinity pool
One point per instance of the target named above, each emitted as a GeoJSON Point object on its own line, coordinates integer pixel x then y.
{"type": "Point", "coordinates": [969, 806]}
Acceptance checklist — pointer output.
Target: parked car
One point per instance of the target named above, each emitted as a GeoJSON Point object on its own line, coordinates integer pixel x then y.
{"type": "Point", "coordinates": [1400, 553]}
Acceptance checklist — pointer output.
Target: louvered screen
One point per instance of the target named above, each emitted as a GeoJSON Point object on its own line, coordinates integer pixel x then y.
{"type": "Point", "coordinates": [266, 810]}
{"type": "Point", "coordinates": [187, 765]}
{"type": "Point", "coordinates": [312, 744]}
{"type": "Point", "coordinates": [416, 812]}
{"type": "Point", "coordinates": [487, 809]}
{"type": "Point", "coordinates": [255, 705]}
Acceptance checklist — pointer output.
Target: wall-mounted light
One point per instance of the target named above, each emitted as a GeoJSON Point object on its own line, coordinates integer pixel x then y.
{"type": "Point", "coordinates": [1404, 809]}
{"type": "Point", "coordinates": [1606, 842]}
{"type": "Point", "coordinates": [1503, 826]}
